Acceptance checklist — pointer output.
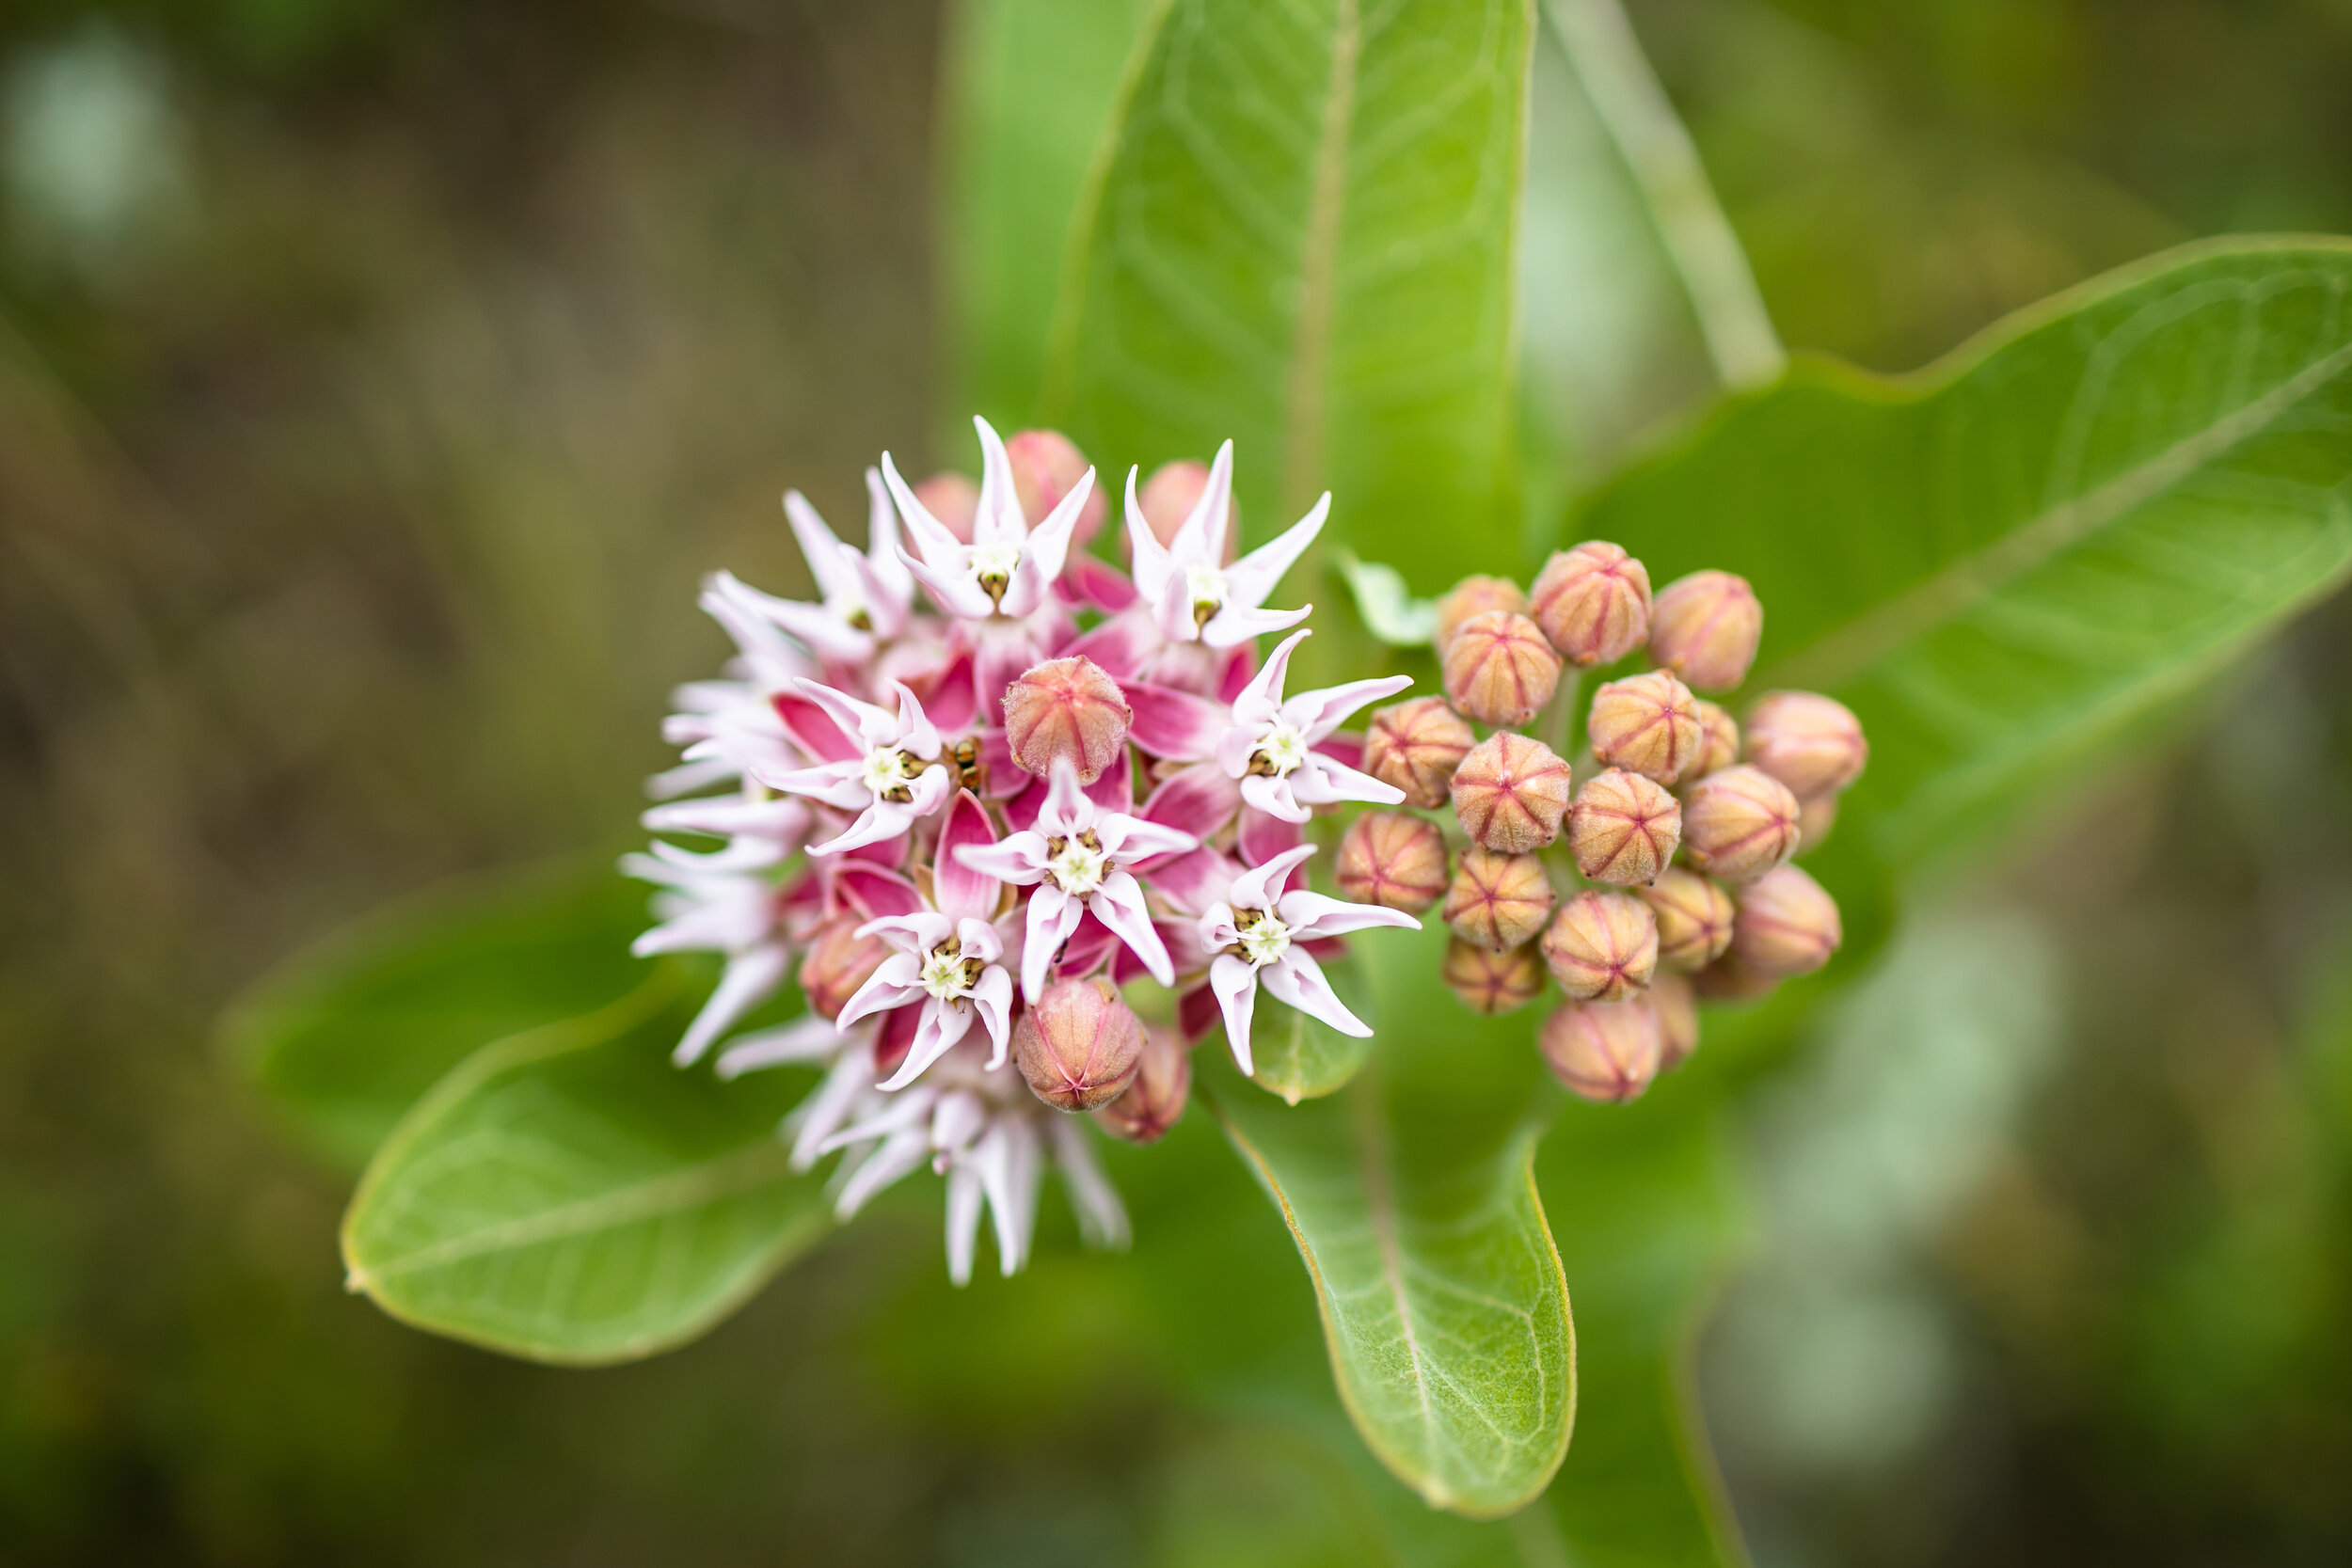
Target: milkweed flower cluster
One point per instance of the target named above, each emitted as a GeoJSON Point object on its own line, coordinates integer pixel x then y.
{"type": "Point", "coordinates": [1664, 878]}
{"type": "Point", "coordinates": [981, 784]}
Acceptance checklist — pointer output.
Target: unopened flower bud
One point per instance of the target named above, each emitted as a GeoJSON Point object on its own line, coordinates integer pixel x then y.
{"type": "Point", "coordinates": [1493, 982]}
{"type": "Point", "coordinates": [1602, 946]}
{"type": "Point", "coordinates": [1624, 828]}
{"type": "Point", "coordinates": [1168, 497]}
{"type": "Point", "coordinates": [838, 962]}
{"type": "Point", "coordinates": [1739, 823]}
{"type": "Point", "coordinates": [1694, 919]}
{"type": "Point", "coordinates": [1510, 794]}
{"type": "Point", "coordinates": [1498, 902]}
{"type": "Point", "coordinates": [1046, 466]}
{"type": "Point", "coordinates": [1704, 627]}
{"type": "Point", "coordinates": [1606, 1051]}
{"type": "Point", "coordinates": [1718, 741]}
{"type": "Point", "coordinates": [1079, 1044]}
{"type": "Point", "coordinates": [1066, 708]}
{"type": "Point", "coordinates": [952, 498]}
{"type": "Point", "coordinates": [1787, 924]}
{"type": "Point", "coordinates": [1813, 744]}
{"type": "Point", "coordinates": [1729, 980]}
{"type": "Point", "coordinates": [1499, 668]}
{"type": "Point", "coordinates": [1156, 1099]}
{"type": "Point", "coordinates": [1415, 745]}
{"type": "Point", "coordinates": [1392, 857]}
{"type": "Point", "coordinates": [1646, 724]}
{"type": "Point", "coordinates": [1475, 595]}
{"type": "Point", "coordinates": [1593, 603]}
{"type": "Point", "coordinates": [1676, 1004]}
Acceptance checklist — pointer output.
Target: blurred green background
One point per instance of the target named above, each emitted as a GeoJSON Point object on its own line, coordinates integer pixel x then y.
{"type": "Point", "coordinates": [376, 380]}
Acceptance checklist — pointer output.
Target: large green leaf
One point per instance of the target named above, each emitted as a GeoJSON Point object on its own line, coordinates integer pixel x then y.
{"type": "Point", "coordinates": [569, 1196]}
{"type": "Point", "coordinates": [1303, 236]}
{"type": "Point", "coordinates": [1411, 1198]}
{"type": "Point", "coordinates": [346, 1038]}
{"type": "Point", "coordinates": [2003, 561]}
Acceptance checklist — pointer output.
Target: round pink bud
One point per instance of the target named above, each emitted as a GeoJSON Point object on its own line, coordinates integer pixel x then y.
{"type": "Point", "coordinates": [1813, 744]}
{"type": "Point", "coordinates": [1510, 794]}
{"type": "Point", "coordinates": [1475, 595]}
{"type": "Point", "coordinates": [1787, 924]}
{"type": "Point", "coordinates": [1066, 708]}
{"type": "Point", "coordinates": [1046, 466]}
{"type": "Point", "coordinates": [1415, 745]}
{"type": "Point", "coordinates": [1493, 982]}
{"type": "Point", "coordinates": [1676, 1004]}
{"type": "Point", "coordinates": [1499, 668]}
{"type": "Point", "coordinates": [1694, 919]}
{"type": "Point", "coordinates": [1605, 1052]}
{"type": "Point", "coordinates": [1394, 859]}
{"type": "Point", "coordinates": [838, 962]}
{"type": "Point", "coordinates": [1498, 902]}
{"type": "Point", "coordinates": [1646, 724]}
{"type": "Point", "coordinates": [1704, 627]}
{"type": "Point", "coordinates": [1814, 818]}
{"type": "Point", "coordinates": [1156, 1099]}
{"type": "Point", "coordinates": [1739, 823]}
{"type": "Point", "coordinates": [1718, 741]}
{"type": "Point", "coordinates": [1602, 946]}
{"type": "Point", "coordinates": [1593, 603]}
{"type": "Point", "coordinates": [1623, 828]}
{"type": "Point", "coordinates": [952, 498]}
{"type": "Point", "coordinates": [1078, 1044]}
{"type": "Point", "coordinates": [1168, 497]}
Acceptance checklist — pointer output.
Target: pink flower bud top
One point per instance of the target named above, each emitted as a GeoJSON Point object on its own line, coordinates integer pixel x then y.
{"type": "Point", "coordinates": [1718, 741]}
{"type": "Point", "coordinates": [1493, 982]}
{"type": "Point", "coordinates": [1604, 1051]}
{"type": "Point", "coordinates": [1677, 1005]}
{"type": "Point", "coordinates": [1602, 946]}
{"type": "Point", "coordinates": [1593, 603]}
{"type": "Point", "coordinates": [1787, 924]}
{"type": "Point", "coordinates": [1739, 823]}
{"type": "Point", "coordinates": [1813, 744]}
{"type": "Point", "coordinates": [1646, 724]}
{"type": "Point", "coordinates": [1392, 857]}
{"type": "Point", "coordinates": [1156, 1099]}
{"type": "Point", "coordinates": [1511, 793]}
{"type": "Point", "coordinates": [1046, 466]}
{"type": "Point", "coordinates": [1624, 828]}
{"type": "Point", "coordinates": [1066, 708]}
{"type": "Point", "coordinates": [1415, 745]}
{"type": "Point", "coordinates": [1475, 595]}
{"type": "Point", "coordinates": [1704, 627]}
{"type": "Point", "coordinates": [952, 498]}
{"type": "Point", "coordinates": [1694, 917]}
{"type": "Point", "coordinates": [1168, 497]}
{"type": "Point", "coordinates": [1079, 1045]}
{"type": "Point", "coordinates": [1498, 902]}
{"type": "Point", "coordinates": [838, 962]}
{"type": "Point", "coordinates": [1499, 668]}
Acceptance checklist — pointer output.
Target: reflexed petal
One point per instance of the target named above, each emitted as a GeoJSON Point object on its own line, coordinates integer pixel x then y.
{"type": "Point", "coordinates": [1263, 837]}
{"type": "Point", "coordinates": [749, 979]}
{"type": "Point", "coordinates": [1102, 1218]}
{"type": "Point", "coordinates": [1120, 644]}
{"type": "Point", "coordinates": [810, 1038]}
{"type": "Point", "coordinates": [1199, 801]}
{"type": "Point", "coordinates": [960, 890]}
{"type": "Point", "coordinates": [963, 1222]}
{"type": "Point", "coordinates": [900, 1155]}
{"type": "Point", "coordinates": [820, 1115]}
{"type": "Point", "coordinates": [1194, 880]}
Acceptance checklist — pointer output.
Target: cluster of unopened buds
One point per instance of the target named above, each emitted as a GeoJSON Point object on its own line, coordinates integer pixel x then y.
{"type": "Point", "coordinates": [981, 789]}
{"type": "Point", "coordinates": [1666, 877]}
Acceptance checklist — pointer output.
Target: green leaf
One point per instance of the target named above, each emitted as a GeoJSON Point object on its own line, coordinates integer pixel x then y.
{"type": "Point", "coordinates": [1303, 236]}
{"type": "Point", "coordinates": [2003, 561]}
{"type": "Point", "coordinates": [1299, 1058]}
{"type": "Point", "coordinates": [568, 1195]}
{"type": "Point", "coordinates": [345, 1038]}
{"type": "Point", "coordinates": [1412, 1199]}
{"type": "Point", "coordinates": [1386, 606]}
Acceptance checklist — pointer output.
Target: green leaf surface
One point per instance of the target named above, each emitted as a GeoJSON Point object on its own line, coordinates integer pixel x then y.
{"type": "Point", "coordinates": [345, 1038]}
{"type": "Point", "coordinates": [1303, 236]}
{"type": "Point", "coordinates": [2004, 561]}
{"type": "Point", "coordinates": [1300, 1058]}
{"type": "Point", "coordinates": [1412, 1200]}
{"type": "Point", "coordinates": [567, 1195]}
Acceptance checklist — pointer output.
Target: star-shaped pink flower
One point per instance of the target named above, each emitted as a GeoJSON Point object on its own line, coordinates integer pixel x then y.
{"type": "Point", "coordinates": [1256, 931]}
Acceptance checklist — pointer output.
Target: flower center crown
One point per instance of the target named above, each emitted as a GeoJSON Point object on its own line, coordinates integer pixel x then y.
{"type": "Point", "coordinates": [890, 773]}
{"type": "Point", "coordinates": [1206, 585]}
{"type": "Point", "coordinates": [947, 974]}
{"type": "Point", "coordinates": [1076, 865]}
{"type": "Point", "coordinates": [1280, 751]}
{"type": "Point", "coordinates": [1264, 937]}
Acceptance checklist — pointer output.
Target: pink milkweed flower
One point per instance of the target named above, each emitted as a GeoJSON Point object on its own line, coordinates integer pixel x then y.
{"type": "Point", "coordinates": [869, 591]}
{"type": "Point", "coordinates": [723, 902]}
{"type": "Point", "coordinates": [949, 957]}
{"type": "Point", "coordinates": [1256, 930]}
{"type": "Point", "coordinates": [1008, 568]}
{"type": "Point", "coordinates": [1193, 593]}
{"type": "Point", "coordinates": [890, 773]}
{"type": "Point", "coordinates": [1079, 854]}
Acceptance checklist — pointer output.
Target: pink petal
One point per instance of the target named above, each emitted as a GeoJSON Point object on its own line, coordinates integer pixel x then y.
{"type": "Point", "coordinates": [1263, 837]}
{"type": "Point", "coordinates": [864, 723]}
{"type": "Point", "coordinates": [895, 1037]}
{"type": "Point", "coordinates": [1120, 645]}
{"type": "Point", "coordinates": [947, 695]}
{"type": "Point", "coordinates": [1237, 987]}
{"type": "Point", "coordinates": [1090, 945]}
{"type": "Point", "coordinates": [1344, 747]}
{"type": "Point", "coordinates": [874, 893]}
{"type": "Point", "coordinates": [1171, 723]}
{"type": "Point", "coordinates": [1052, 916]}
{"type": "Point", "coordinates": [959, 891]}
{"type": "Point", "coordinates": [1113, 789]}
{"type": "Point", "coordinates": [1067, 808]}
{"type": "Point", "coordinates": [893, 985]}
{"type": "Point", "coordinates": [815, 729]}
{"type": "Point", "coordinates": [940, 1027]}
{"type": "Point", "coordinates": [1119, 904]}
{"type": "Point", "coordinates": [1239, 664]}
{"type": "Point", "coordinates": [1195, 880]}
{"type": "Point", "coordinates": [1097, 582]}
{"type": "Point", "coordinates": [1196, 1014]}
{"type": "Point", "coordinates": [1199, 801]}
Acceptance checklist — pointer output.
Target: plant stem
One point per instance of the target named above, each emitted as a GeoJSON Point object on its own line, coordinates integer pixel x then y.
{"type": "Point", "coordinates": [1639, 117]}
